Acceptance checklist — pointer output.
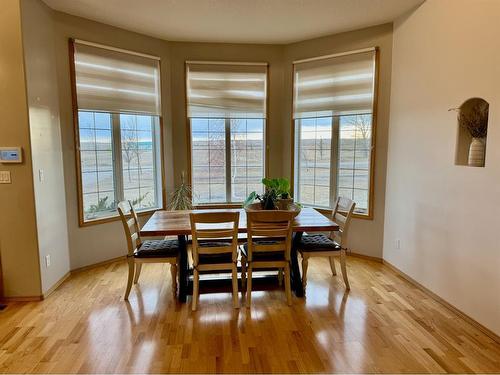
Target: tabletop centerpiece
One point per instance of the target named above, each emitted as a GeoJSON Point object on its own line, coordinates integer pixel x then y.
{"type": "Point", "coordinates": [275, 197]}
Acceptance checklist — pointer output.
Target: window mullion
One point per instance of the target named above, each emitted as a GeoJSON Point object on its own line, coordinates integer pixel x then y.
{"type": "Point", "coordinates": [117, 157]}
{"type": "Point", "coordinates": [334, 160]}
{"type": "Point", "coordinates": [228, 159]}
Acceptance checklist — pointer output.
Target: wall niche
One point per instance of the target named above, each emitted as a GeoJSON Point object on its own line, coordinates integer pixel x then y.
{"type": "Point", "coordinates": [472, 125]}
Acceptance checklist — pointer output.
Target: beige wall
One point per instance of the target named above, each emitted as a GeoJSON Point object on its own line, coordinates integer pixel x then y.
{"type": "Point", "coordinates": [445, 215]}
{"type": "Point", "coordinates": [43, 102]}
{"type": "Point", "coordinates": [18, 236]}
{"type": "Point", "coordinates": [365, 236]}
{"type": "Point", "coordinates": [92, 244]}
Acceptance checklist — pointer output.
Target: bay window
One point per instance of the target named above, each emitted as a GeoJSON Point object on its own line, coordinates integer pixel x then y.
{"type": "Point", "coordinates": [333, 115]}
{"type": "Point", "coordinates": [117, 119]}
{"type": "Point", "coordinates": [226, 106]}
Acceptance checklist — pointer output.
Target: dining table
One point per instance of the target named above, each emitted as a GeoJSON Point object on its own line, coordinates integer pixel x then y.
{"type": "Point", "coordinates": [177, 223]}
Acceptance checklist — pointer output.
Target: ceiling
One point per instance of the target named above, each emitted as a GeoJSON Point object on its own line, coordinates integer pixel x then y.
{"type": "Point", "coordinates": [237, 21]}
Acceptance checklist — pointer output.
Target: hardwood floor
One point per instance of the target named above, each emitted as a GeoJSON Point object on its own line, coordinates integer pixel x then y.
{"type": "Point", "coordinates": [383, 324]}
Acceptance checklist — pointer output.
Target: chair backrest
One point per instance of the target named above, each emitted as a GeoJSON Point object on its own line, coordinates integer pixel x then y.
{"type": "Point", "coordinates": [342, 215]}
{"type": "Point", "coordinates": [130, 225]}
{"type": "Point", "coordinates": [273, 224]}
{"type": "Point", "coordinates": [214, 226]}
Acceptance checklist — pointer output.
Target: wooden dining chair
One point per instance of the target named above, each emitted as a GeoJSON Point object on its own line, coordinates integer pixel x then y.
{"type": "Point", "coordinates": [269, 246]}
{"type": "Point", "coordinates": [321, 245]}
{"type": "Point", "coordinates": [214, 247]}
{"type": "Point", "coordinates": [148, 251]}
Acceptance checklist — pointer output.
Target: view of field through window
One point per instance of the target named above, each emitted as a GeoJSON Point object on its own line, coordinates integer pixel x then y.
{"type": "Point", "coordinates": [318, 160]}
{"type": "Point", "coordinates": [112, 171]}
{"type": "Point", "coordinates": [227, 159]}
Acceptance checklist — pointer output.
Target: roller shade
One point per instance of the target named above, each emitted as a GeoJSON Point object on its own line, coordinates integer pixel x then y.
{"type": "Point", "coordinates": [341, 85]}
{"type": "Point", "coordinates": [226, 91]}
{"type": "Point", "coordinates": [108, 80]}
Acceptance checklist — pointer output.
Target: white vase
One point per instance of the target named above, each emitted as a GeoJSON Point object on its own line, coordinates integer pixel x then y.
{"type": "Point", "coordinates": [476, 152]}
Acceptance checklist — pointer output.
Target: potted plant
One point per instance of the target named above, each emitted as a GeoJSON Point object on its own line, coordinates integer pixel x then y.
{"type": "Point", "coordinates": [475, 121]}
{"type": "Point", "coordinates": [181, 197]}
{"type": "Point", "coordinates": [275, 197]}
{"type": "Point", "coordinates": [282, 188]}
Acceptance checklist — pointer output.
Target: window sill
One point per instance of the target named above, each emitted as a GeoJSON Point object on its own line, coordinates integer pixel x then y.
{"type": "Point", "coordinates": [115, 217]}
{"type": "Point", "coordinates": [217, 205]}
{"type": "Point", "coordinates": [328, 211]}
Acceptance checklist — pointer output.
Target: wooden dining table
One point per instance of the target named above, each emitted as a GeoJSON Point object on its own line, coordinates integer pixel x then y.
{"type": "Point", "coordinates": [176, 223]}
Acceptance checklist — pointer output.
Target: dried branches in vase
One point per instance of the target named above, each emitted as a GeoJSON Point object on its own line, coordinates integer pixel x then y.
{"type": "Point", "coordinates": [475, 121]}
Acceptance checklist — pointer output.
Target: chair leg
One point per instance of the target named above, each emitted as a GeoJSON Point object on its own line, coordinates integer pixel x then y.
{"type": "Point", "coordinates": [288, 288]}
{"type": "Point", "coordinates": [305, 262]}
{"type": "Point", "coordinates": [332, 265]}
{"type": "Point", "coordinates": [236, 303]}
{"type": "Point", "coordinates": [173, 272]}
{"type": "Point", "coordinates": [243, 273]}
{"type": "Point", "coordinates": [138, 268]}
{"type": "Point", "coordinates": [249, 287]}
{"type": "Point", "coordinates": [280, 276]}
{"type": "Point", "coordinates": [130, 280]}
{"type": "Point", "coordinates": [196, 282]}
{"type": "Point", "coordinates": [344, 269]}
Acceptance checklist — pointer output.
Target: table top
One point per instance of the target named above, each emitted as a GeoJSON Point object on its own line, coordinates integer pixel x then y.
{"type": "Point", "coordinates": [168, 223]}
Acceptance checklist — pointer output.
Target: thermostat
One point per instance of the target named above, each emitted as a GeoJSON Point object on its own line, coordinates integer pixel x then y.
{"type": "Point", "coordinates": [11, 155]}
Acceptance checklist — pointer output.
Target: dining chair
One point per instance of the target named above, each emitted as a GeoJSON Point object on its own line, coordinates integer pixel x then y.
{"type": "Point", "coordinates": [321, 245]}
{"type": "Point", "coordinates": [147, 251]}
{"type": "Point", "coordinates": [268, 247]}
{"type": "Point", "coordinates": [214, 247]}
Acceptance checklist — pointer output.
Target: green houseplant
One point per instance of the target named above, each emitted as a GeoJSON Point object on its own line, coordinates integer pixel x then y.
{"type": "Point", "coordinates": [276, 195]}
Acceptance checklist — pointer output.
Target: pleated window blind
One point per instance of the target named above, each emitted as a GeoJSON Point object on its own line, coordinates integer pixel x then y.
{"type": "Point", "coordinates": [117, 82]}
{"type": "Point", "coordinates": [342, 85]}
{"type": "Point", "coordinates": [221, 90]}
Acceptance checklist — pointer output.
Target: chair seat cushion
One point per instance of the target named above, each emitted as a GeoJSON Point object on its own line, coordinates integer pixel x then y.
{"type": "Point", "coordinates": [158, 249]}
{"type": "Point", "coordinates": [318, 242]}
{"type": "Point", "coordinates": [264, 256]}
{"type": "Point", "coordinates": [215, 258]}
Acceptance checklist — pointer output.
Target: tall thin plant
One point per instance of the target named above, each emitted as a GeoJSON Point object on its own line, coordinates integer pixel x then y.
{"type": "Point", "coordinates": [181, 197]}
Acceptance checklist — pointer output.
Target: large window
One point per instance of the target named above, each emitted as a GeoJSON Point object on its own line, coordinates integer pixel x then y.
{"type": "Point", "coordinates": [118, 128]}
{"type": "Point", "coordinates": [227, 112]}
{"type": "Point", "coordinates": [333, 116]}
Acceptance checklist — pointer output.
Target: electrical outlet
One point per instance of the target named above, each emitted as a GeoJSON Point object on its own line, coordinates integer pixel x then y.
{"type": "Point", "coordinates": [41, 175]}
{"type": "Point", "coordinates": [397, 244]}
{"type": "Point", "coordinates": [5, 177]}
{"type": "Point", "coordinates": [47, 260]}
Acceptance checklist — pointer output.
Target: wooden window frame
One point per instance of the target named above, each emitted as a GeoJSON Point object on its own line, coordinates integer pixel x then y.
{"type": "Point", "coordinates": [371, 194]}
{"type": "Point", "coordinates": [188, 135]}
{"type": "Point", "coordinates": [159, 154]}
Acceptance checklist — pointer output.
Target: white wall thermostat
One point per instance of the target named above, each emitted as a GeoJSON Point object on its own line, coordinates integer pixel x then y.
{"type": "Point", "coordinates": [11, 155]}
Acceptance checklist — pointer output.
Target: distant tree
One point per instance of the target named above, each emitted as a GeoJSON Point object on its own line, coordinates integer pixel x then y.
{"type": "Point", "coordinates": [363, 125]}
{"type": "Point", "coordinates": [129, 149]}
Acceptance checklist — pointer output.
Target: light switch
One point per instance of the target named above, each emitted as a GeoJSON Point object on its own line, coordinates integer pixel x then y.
{"type": "Point", "coordinates": [5, 177]}
{"type": "Point", "coordinates": [41, 175]}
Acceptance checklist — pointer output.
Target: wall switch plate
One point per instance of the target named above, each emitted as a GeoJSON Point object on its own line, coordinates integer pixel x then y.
{"type": "Point", "coordinates": [41, 175]}
{"type": "Point", "coordinates": [5, 177]}
{"type": "Point", "coordinates": [397, 244]}
{"type": "Point", "coordinates": [47, 260]}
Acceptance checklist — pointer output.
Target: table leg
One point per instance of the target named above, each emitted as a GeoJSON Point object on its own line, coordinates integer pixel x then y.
{"type": "Point", "coordinates": [295, 271]}
{"type": "Point", "coordinates": [183, 268]}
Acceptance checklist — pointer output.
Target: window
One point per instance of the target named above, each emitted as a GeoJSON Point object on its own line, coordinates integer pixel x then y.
{"type": "Point", "coordinates": [227, 116]}
{"type": "Point", "coordinates": [333, 119]}
{"type": "Point", "coordinates": [118, 128]}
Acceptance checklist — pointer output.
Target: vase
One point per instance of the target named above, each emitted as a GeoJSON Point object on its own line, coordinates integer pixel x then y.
{"type": "Point", "coordinates": [284, 203]}
{"type": "Point", "coordinates": [476, 152]}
